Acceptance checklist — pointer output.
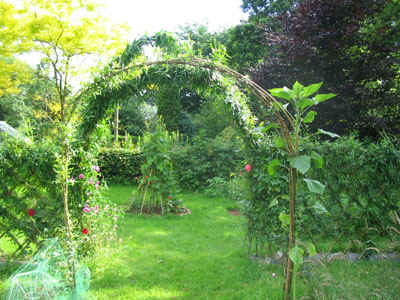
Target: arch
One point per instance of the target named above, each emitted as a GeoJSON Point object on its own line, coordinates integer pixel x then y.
{"type": "Point", "coordinates": [130, 74]}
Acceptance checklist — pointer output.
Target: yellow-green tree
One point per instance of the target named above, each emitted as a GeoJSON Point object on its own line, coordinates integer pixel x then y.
{"type": "Point", "coordinates": [66, 34]}
{"type": "Point", "coordinates": [13, 72]}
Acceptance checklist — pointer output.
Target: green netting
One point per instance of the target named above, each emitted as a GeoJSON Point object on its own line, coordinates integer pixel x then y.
{"type": "Point", "coordinates": [49, 275]}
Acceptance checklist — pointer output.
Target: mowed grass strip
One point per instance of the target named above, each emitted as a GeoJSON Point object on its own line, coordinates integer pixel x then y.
{"type": "Point", "coordinates": [198, 256]}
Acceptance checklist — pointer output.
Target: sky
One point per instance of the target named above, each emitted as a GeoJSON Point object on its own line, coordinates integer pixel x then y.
{"type": "Point", "coordinates": [150, 16]}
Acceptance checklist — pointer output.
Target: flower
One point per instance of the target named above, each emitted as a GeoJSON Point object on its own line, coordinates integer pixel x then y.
{"type": "Point", "coordinates": [273, 275]}
{"type": "Point", "coordinates": [31, 212]}
{"type": "Point", "coordinates": [90, 180]}
{"type": "Point", "coordinates": [88, 193]}
{"type": "Point", "coordinates": [96, 168]}
{"type": "Point", "coordinates": [169, 197]}
{"type": "Point", "coordinates": [81, 176]}
{"type": "Point", "coordinates": [72, 180]}
{"type": "Point", "coordinates": [85, 231]}
{"type": "Point", "coordinates": [86, 208]}
{"type": "Point", "coordinates": [247, 167]}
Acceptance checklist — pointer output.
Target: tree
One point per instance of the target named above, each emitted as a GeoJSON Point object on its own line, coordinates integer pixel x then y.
{"type": "Point", "coordinates": [13, 72]}
{"type": "Point", "coordinates": [351, 46]}
{"type": "Point", "coordinates": [65, 32]}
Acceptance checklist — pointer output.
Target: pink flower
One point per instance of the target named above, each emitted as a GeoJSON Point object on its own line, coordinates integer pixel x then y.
{"type": "Point", "coordinates": [86, 209]}
{"type": "Point", "coordinates": [90, 180]}
{"type": "Point", "coordinates": [247, 167]}
{"type": "Point", "coordinates": [81, 176]}
{"type": "Point", "coordinates": [115, 218]}
{"type": "Point", "coordinates": [96, 210]}
{"type": "Point", "coordinates": [88, 193]}
{"type": "Point", "coordinates": [96, 168]}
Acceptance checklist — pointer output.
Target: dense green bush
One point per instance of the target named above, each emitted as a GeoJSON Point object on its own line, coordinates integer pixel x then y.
{"type": "Point", "coordinates": [362, 188]}
{"type": "Point", "coordinates": [120, 165]}
{"type": "Point", "coordinates": [363, 183]}
{"type": "Point", "coordinates": [197, 162]}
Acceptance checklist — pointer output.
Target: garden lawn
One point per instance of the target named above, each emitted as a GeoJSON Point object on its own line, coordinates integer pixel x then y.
{"type": "Point", "coordinates": [204, 256]}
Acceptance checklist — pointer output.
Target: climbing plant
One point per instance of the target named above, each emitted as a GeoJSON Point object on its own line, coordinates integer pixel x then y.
{"type": "Point", "coordinates": [132, 74]}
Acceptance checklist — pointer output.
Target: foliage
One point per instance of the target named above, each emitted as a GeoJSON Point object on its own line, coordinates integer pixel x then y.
{"type": "Point", "coordinates": [31, 201]}
{"type": "Point", "coordinates": [63, 32]}
{"type": "Point", "coordinates": [352, 38]}
{"type": "Point", "coordinates": [120, 165]}
{"type": "Point", "coordinates": [157, 187]}
{"type": "Point", "coordinates": [203, 159]}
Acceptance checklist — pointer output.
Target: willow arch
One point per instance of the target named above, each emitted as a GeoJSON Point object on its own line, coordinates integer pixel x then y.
{"type": "Point", "coordinates": [130, 74]}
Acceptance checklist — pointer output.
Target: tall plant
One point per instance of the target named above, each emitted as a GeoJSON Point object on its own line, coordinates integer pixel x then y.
{"type": "Point", "coordinates": [157, 187]}
{"type": "Point", "coordinates": [299, 104]}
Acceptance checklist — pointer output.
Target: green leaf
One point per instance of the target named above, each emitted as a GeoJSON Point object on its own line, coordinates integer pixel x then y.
{"type": "Point", "coordinates": [311, 89]}
{"type": "Point", "coordinates": [304, 103]}
{"type": "Point", "coordinates": [318, 159]}
{"type": "Point", "coordinates": [296, 255]}
{"type": "Point", "coordinates": [273, 203]}
{"type": "Point", "coordinates": [310, 247]}
{"type": "Point", "coordinates": [269, 126]}
{"type": "Point", "coordinates": [272, 166]}
{"type": "Point", "coordinates": [279, 142]}
{"type": "Point", "coordinates": [319, 208]}
{"type": "Point", "coordinates": [302, 163]}
{"type": "Point", "coordinates": [283, 93]}
{"type": "Point", "coordinates": [323, 97]}
{"type": "Point", "coordinates": [331, 134]}
{"type": "Point", "coordinates": [309, 118]}
{"type": "Point", "coordinates": [285, 219]}
{"type": "Point", "coordinates": [298, 89]}
{"type": "Point", "coordinates": [314, 186]}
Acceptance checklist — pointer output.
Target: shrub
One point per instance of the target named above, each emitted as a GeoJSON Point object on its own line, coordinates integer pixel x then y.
{"type": "Point", "coordinates": [119, 165]}
{"type": "Point", "coordinates": [204, 159]}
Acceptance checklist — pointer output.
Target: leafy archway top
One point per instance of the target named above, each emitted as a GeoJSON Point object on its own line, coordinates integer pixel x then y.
{"type": "Point", "coordinates": [132, 73]}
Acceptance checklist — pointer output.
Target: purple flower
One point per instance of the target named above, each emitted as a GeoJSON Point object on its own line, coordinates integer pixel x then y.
{"type": "Point", "coordinates": [81, 176]}
{"type": "Point", "coordinates": [72, 180]}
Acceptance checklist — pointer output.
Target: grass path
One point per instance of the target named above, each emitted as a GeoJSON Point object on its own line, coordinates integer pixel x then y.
{"type": "Point", "coordinates": [198, 256]}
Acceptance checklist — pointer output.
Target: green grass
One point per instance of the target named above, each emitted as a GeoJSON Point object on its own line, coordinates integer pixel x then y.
{"type": "Point", "coordinates": [204, 256]}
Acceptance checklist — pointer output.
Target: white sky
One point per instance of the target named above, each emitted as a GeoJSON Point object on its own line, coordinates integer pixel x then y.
{"type": "Point", "coordinates": [150, 16]}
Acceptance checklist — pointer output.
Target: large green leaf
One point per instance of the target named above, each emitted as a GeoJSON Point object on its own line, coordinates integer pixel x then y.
{"type": "Point", "coordinates": [302, 163]}
{"type": "Point", "coordinates": [309, 118]}
{"type": "Point", "coordinates": [296, 255]}
{"type": "Point", "coordinates": [284, 93]}
{"type": "Point", "coordinates": [279, 142]}
{"type": "Point", "coordinates": [314, 186]}
{"type": "Point", "coordinates": [285, 219]}
{"type": "Point", "coordinates": [323, 97]}
{"type": "Point", "coordinates": [303, 103]}
{"type": "Point", "coordinates": [311, 89]}
{"type": "Point", "coordinates": [298, 89]}
{"type": "Point", "coordinates": [272, 166]}
{"type": "Point", "coordinates": [331, 134]}
{"type": "Point", "coordinates": [318, 159]}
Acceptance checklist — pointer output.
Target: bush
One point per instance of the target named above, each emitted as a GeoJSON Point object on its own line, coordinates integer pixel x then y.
{"type": "Point", "coordinates": [120, 165]}
{"type": "Point", "coordinates": [204, 159]}
{"type": "Point", "coordinates": [362, 188]}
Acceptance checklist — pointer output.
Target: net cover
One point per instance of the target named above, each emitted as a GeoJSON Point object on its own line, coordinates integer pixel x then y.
{"type": "Point", "coordinates": [48, 275]}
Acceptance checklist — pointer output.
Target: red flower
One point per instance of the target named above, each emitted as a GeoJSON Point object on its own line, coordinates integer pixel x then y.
{"type": "Point", "coordinates": [31, 212]}
{"type": "Point", "coordinates": [247, 167]}
{"type": "Point", "coordinates": [169, 197]}
{"type": "Point", "coordinates": [85, 231]}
